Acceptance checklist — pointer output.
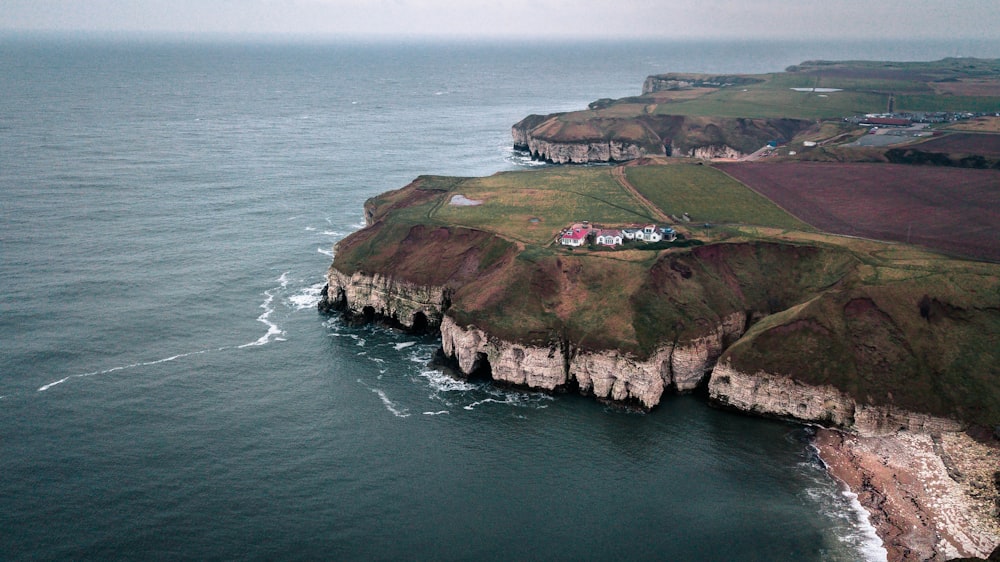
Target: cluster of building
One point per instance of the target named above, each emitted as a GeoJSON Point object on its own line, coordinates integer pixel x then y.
{"type": "Point", "coordinates": [584, 233]}
{"type": "Point", "coordinates": [905, 119]}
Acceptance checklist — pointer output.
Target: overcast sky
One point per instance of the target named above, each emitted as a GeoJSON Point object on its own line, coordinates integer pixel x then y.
{"type": "Point", "coordinates": [661, 19]}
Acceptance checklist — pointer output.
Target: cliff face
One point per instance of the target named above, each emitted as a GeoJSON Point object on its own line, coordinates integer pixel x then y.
{"type": "Point", "coordinates": [574, 152]}
{"type": "Point", "coordinates": [680, 81]}
{"type": "Point", "coordinates": [379, 296]}
{"type": "Point", "coordinates": [603, 136]}
{"type": "Point", "coordinates": [781, 396]}
{"type": "Point", "coordinates": [606, 374]}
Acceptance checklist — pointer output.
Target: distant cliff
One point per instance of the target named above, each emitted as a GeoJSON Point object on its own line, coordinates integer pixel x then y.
{"type": "Point", "coordinates": [581, 137]}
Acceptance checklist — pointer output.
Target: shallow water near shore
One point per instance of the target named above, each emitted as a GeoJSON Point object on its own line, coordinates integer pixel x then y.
{"type": "Point", "coordinates": [168, 389]}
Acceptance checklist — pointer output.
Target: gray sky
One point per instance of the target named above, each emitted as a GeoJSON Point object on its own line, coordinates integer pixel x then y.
{"type": "Point", "coordinates": [663, 19]}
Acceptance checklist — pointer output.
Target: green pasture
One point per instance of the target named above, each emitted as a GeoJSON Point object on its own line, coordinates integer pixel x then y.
{"type": "Point", "coordinates": [707, 195]}
{"type": "Point", "coordinates": [554, 197]}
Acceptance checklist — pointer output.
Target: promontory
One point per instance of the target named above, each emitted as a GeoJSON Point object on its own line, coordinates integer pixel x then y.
{"type": "Point", "coordinates": [819, 245]}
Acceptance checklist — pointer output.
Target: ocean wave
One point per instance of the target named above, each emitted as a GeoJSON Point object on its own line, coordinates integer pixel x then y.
{"type": "Point", "coordinates": [274, 332]}
{"type": "Point", "coordinates": [45, 387]}
{"type": "Point", "coordinates": [307, 297]}
{"type": "Point", "coordinates": [441, 382]}
{"type": "Point", "coordinates": [326, 252]}
{"type": "Point", "coordinates": [394, 408]}
{"type": "Point", "coordinates": [852, 526]}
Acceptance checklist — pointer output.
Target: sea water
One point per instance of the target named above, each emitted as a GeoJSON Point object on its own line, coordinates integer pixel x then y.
{"type": "Point", "coordinates": [168, 389]}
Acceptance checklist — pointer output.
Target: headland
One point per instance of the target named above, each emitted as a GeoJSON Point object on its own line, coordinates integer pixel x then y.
{"type": "Point", "coordinates": [755, 247]}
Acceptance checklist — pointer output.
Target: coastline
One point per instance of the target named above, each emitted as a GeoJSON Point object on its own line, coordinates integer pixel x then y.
{"type": "Point", "coordinates": [929, 497]}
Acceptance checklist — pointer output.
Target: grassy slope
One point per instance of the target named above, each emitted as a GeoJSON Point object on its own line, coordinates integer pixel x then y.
{"type": "Point", "coordinates": [888, 324]}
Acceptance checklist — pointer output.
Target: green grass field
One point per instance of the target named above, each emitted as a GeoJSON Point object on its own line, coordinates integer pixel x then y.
{"type": "Point", "coordinates": [707, 195]}
{"type": "Point", "coordinates": [533, 206]}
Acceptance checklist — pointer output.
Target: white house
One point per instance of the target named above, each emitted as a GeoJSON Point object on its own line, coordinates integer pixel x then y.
{"type": "Point", "coordinates": [609, 237]}
{"type": "Point", "coordinates": [649, 233]}
{"type": "Point", "coordinates": [573, 237]}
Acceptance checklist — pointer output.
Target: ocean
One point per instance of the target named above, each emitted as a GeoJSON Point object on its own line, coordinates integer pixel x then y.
{"type": "Point", "coordinates": [168, 389]}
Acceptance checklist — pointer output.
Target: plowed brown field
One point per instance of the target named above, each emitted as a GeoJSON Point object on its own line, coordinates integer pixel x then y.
{"type": "Point", "coordinates": [949, 209]}
{"type": "Point", "coordinates": [966, 143]}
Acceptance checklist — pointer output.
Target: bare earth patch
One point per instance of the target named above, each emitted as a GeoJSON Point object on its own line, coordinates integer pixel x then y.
{"type": "Point", "coordinates": [930, 497]}
{"type": "Point", "coordinates": [955, 210]}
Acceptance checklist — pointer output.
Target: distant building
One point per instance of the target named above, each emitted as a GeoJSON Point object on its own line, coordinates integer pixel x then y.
{"type": "Point", "coordinates": [649, 233]}
{"type": "Point", "coordinates": [609, 237]}
{"type": "Point", "coordinates": [887, 122]}
{"type": "Point", "coordinates": [574, 237]}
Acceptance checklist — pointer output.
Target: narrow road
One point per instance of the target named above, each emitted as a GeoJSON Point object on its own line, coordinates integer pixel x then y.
{"type": "Point", "coordinates": [618, 172]}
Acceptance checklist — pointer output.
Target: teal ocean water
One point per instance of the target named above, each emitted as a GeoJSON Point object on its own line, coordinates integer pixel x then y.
{"type": "Point", "coordinates": [169, 391]}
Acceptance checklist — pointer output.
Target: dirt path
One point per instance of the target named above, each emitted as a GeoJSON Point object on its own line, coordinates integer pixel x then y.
{"type": "Point", "coordinates": [618, 172]}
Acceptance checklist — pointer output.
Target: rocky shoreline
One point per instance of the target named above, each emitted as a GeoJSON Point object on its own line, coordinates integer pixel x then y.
{"type": "Point", "coordinates": [930, 496]}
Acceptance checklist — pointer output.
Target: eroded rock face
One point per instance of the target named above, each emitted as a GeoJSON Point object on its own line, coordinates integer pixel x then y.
{"type": "Point", "coordinates": [782, 396]}
{"type": "Point", "coordinates": [614, 376]}
{"type": "Point", "coordinates": [606, 374]}
{"type": "Point", "coordinates": [716, 152]}
{"type": "Point", "coordinates": [513, 363]}
{"type": "Point", "coordinates": [381, 296]}
{"type": "Point", "coordinates": [691, 362]}
{"type": "Point", "coordinates": [578, 152]}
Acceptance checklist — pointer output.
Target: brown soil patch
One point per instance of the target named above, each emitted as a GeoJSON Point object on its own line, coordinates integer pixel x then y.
{"type": "Point", "coordinates": [968, 87]}
{"type": "Point", "coordinates": [979, 124]}
{"type": "Point", "coordinates": [963, 143]}
{"type": "Point", "coordinates": [949, 209]}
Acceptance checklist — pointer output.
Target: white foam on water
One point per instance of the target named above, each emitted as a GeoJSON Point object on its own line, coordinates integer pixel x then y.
{"type": "Point", "coordinates": [440, 413]}
{"type": "Point", "coordinates": [311, 229]}
{"type": "Point", "coordinates": [333, 233]}
{"type": "Point", "coordinates": [853, 527]}
{"type": "Point", "coordinates": [871, 546]}
{"type": "Point", "coordinates": [394, 408]}
{"type": "Point", "coordinates": [404, 345]}
{"type": "Point", "coordinates": [325, 252]}
{"type": "Point", "coordinates": [274, 332]}
{"type": "Point", "coordinates": [308, 297]}
{"type": "Point", "coordinates": [45, 387]}
{"type": "Point", "coordinates": [481, 402]}
{"type": "Point", "coordinates": [441, 382]}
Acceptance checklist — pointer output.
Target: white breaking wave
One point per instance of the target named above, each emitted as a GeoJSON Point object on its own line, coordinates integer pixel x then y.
{"type": "Point", "coordinates": [853, 528]}
{"type": "Point", "coordinates": [274, 332]}
{"type": "Point", "coordinates": [396, 410]}
{"type": "Point", "coordinates": [442, 412]}
{"type": "Point", "coordinates": [131, 366]}
{"type": "Point", "coordinates": [871, 545]}
{"type": "Point", "coordinates": [404, 345]}
{"type": "Point", "coordinates": [326, 252]}
{"type": "Point", "coordinates": [308, 297]}
{"type": "Point", "coordinates": [441, 382]}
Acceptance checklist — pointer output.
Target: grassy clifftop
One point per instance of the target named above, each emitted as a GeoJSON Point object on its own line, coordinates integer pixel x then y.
{"type": "Point", "coordinates": [685, 112]}
{"type": "Point", "coordinates": [886, 323]}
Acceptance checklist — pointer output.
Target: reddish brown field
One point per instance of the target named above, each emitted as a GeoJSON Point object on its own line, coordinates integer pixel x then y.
{"type": "Point", "coordinates": [949, 209]}
{"type": "Point", "coordinates": [963, 143]}
{"type": "Point", "coordinates": [968, 87]}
